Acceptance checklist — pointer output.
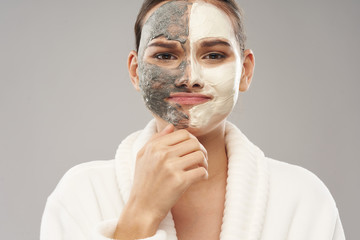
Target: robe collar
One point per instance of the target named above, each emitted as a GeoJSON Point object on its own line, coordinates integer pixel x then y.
{"type": "Point", "coordinates": [246, 190]}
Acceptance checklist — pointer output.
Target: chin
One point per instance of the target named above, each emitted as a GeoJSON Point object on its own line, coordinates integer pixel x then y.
{"type": "Point", "coordinates": [208, 126]}
{"type": "Point", "coordinates": [197, 124]}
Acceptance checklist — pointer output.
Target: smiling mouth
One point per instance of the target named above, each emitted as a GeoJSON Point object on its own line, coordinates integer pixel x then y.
{"type": "Point", "coordinates": [188, 98]}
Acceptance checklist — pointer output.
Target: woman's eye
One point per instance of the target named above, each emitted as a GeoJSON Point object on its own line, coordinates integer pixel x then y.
{"type": "Point", "coordinates": [165, 56]}
{"type": "Point", "coordinates": [214, 56]}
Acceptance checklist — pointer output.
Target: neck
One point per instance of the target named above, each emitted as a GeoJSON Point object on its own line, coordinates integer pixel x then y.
{"type": "Point", "coordinates": [214, 143]}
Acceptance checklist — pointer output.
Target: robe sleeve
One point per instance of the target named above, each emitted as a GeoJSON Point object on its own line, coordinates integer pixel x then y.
{"type": "Point", "coordinates": [58, 224]}
{"type": "Point", "coordinates": [338, 231]}
{"type": "Point", "coordinates": [107, 228]}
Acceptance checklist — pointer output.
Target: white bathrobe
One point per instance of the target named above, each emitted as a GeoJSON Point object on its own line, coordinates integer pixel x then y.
{"type": "Point", "coordinates": [265, 199]}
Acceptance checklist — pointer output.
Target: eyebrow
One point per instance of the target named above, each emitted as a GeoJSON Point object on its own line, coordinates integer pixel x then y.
{"type": "Point", "coordinates": [164, 45]}
{"type": "Point", "coordinates": [212, 43]}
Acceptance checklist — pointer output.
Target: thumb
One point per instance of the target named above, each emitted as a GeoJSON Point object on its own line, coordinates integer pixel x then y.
{"type": "Point", "coordinates": [166, 130]}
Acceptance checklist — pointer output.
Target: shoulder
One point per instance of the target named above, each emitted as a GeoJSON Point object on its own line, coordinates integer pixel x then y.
{"type": "Point", "coordinates": [88, 192]}
{"type": "Point", "coordinates": [292, 181]}
{"type": "Point", "coordinates": [299, 205]}
{"type": "Point", "coordinates": [86, 195]}
{"type": "Point", "coordinates": [88, 169]}
{"type": "Point", "coordinates": [86, 177]}
{"type": "Point", "coordinates": [294, 173]}
{"type": "Point", "coordinates": [92, 179]}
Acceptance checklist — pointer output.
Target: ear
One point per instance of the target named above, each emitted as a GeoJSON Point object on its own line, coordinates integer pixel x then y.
{"type": "Point", "coordinates": [133, 67]}
{"type": "Point", "coordinates": [247, 70]}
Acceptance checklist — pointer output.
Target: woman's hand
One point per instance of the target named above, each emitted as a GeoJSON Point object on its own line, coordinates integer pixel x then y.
{"type": "Point", "coordinates": [166, 166]}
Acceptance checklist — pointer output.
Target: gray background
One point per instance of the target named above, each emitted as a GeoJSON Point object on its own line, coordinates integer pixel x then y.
{"type": "Point", "coordinates": [66, 98]}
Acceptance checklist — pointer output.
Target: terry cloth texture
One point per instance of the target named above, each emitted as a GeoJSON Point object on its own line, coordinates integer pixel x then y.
{"type": "Point", "coordinates": [265, 199]}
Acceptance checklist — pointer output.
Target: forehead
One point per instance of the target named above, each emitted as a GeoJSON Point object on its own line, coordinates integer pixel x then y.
{"type": "Point", "coordinates": [169, 20]}
{"type": "Point", "coordinates": [180, 20]}
{"type": "Point", "coordinates": [207, 20]}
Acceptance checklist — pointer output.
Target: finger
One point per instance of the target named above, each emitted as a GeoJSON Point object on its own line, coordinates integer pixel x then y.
{"type": "Point", "coordinates": [203, 149]}
{"type": "Point", "coordinates": [196, 174]}
{"type": "Point", "coordinates": [192, 160]}
{"type": "Point", "coordinates": [166, 130]}
{"type": "Point", "coordinates": [186, 147]}
{"type": "Point", "coordinates": [175, 137]}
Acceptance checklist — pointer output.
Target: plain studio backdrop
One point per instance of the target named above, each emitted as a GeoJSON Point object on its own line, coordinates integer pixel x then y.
{"type": "Point", "coordinates": [66, 98]}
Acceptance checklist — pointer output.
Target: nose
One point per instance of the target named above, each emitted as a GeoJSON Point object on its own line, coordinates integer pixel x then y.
{"type": "Point", "coordinates": [188, 83]}
{"type": "Point", "coordinates": [190, 78]}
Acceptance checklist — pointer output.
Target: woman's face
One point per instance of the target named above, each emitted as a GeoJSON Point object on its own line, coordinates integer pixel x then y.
{"type": "Point", "coordinates": [189, 64]}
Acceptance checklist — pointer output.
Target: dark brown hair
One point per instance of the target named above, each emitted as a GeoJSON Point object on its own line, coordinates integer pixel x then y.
{"type": "Point", "coordinates": [230, 7]}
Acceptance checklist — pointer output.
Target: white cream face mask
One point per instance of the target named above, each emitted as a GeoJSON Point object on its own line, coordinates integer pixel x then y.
{"type": "Point", "coordinates": [195, 65]}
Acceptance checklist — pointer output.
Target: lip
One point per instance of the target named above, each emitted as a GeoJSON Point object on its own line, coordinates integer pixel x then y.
{"type": "Point", "coordinates": [184, 98]}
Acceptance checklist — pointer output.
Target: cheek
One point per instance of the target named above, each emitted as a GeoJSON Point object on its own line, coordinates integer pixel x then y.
{"type": "Point", "coordinates": [154, 77]}
{"type": "Point", "coordinates": [224, 80]}
{"type": "Point", "coordinates": [156, 84]}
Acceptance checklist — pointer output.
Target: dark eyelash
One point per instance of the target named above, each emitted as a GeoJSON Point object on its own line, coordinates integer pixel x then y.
{"type": "Point", "coordinates": [217, 55]}
{"type": "Point", "coordinates": [168, 55]}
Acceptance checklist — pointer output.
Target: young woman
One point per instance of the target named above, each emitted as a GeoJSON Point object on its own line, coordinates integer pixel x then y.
{"type": "Point", "coordinates": [190, 174]}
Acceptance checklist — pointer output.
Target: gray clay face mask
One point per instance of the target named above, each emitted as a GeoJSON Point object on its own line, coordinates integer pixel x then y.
{"type": "Point", "coordinates": [173, 59]}
{"type": "Point", "coordinates": [169, 21]}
